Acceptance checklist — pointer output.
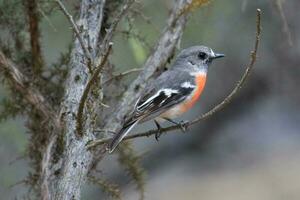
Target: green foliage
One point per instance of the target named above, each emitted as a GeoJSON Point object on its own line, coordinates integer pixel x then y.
{"type": "Point", "coordinates": [112, 190]}
{"type": "Point", "coordinates": [15, 44]}
{"type": "Point", "coordinates": [13, 36]}
{"type": "Point", "coordinates": [9, 109]}
{"type": "Point", "coordinates": [131, 162]}
{"type": "Point", "coordinates": [137, 50]}
{"type": "Point", "coordinates": [14, 21]}
{"type": "Point", "coordinates": [53, 78]}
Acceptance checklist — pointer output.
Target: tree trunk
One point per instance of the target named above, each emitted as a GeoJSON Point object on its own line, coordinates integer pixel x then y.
{"type": "Point", "coordinates": [70, 171]}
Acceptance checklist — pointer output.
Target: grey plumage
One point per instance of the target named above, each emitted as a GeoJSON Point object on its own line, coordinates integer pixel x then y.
{"type": "Point", "coordinates": [169, 89]}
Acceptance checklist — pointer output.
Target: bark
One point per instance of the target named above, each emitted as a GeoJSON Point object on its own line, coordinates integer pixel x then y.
{"type": "Point", "coordinates": [63, 180]}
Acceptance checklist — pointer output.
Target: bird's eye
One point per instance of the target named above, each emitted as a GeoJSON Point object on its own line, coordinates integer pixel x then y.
{"type": "Point", "coordinates": [202, 55]}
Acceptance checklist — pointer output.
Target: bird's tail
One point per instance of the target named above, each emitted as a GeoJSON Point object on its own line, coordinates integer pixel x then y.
{"type": "Point", "coordinates": [119, 136]}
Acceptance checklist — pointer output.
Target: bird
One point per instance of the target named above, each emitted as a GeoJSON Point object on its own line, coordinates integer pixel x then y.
{"type": "Point", "coordinates": [172, 93]}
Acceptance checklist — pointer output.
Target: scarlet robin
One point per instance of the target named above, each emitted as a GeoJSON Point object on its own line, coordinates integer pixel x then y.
{"type": "Point", "coordinates": [172, 93]}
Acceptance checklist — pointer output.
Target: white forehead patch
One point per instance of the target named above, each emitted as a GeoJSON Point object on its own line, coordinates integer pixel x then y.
{"type": "Point", "coordinates": [187, 85]}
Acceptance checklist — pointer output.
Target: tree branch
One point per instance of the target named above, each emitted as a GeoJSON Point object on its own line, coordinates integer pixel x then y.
{"type": "Point", "coordinates": [18, 82]}
{"type": "Point", "coordinates": [122, 74]}
{"type": "Point", "coordinates": [45, 165]}
{"type": "Point", "coordinates": [78, 35]}
{"type": "Point", "coordinates": [214, 110]}
{"type": "Point", "coordinates": [67, 174]}
{"type": "Point", "coordinates": [36, 54]}
{"type": "Point", "coordinates": [87, 89]}
{"type": "Point", "coordinates": [106, 47]}
{"type": "Point", "coordinates": [111, 31]}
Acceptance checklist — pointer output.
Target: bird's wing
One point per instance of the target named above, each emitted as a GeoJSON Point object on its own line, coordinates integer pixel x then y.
{"type": "Point", "coordinates": [160, 101]}
{"type": "Point", "coordinates": [162, 95]}
{"type": "Point", "coordinates": [168, 90]}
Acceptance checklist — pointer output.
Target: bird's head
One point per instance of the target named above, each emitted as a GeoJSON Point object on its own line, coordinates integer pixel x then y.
{"type": "Point", "coordinates": [197, 57]}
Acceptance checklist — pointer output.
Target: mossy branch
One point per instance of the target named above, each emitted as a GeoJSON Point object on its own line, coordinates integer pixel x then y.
{"type": "Point", "coordinates": [32, 95]}
{"type": "Point", "coordinates": [122, 74]}
{"type": "Point", "coordinates": [112, 29]}
{"type": "Point", "coordinates": [87, 89]}
{"type": "Point", "coordinates": [112, 190]}
{"type": "Point", "coordinates": [34, 32]}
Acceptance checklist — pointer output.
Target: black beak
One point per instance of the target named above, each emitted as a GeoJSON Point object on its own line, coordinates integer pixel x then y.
{"type": "Point", "coordinates": [218, 55]}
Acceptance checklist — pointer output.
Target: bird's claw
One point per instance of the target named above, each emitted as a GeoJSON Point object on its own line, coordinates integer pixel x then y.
{"type": "Point", "coordinates": [158, 133]}
{"type": "Point", "coordinates": [184, 125]}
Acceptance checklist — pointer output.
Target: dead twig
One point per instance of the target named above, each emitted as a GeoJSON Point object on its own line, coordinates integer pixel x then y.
{"type": "Point", "coordinates": [78, 35]}
{"type": "Point", "coordinates": [214, 110]}
{"type": "Point", "coordinates": [111, 31]}
{"type": "Point", "coordinates": [47, 19]}
{"type": "Point", "coordinates": [145, 18]}
{"type": "Point", "coordinates": [120, 75]}
{"type": "Point", "coordinates": [32, 95]}
{"type": "Point", "coordinates": [194, 4]}
{"type": "Point", "coordinates": [45, 172]}
{"type": "Point", "coordinates": [34, 32]}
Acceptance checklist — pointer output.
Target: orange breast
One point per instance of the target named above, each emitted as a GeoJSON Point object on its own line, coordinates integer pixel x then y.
{"type": "Point", "coordinates": [200, 82]}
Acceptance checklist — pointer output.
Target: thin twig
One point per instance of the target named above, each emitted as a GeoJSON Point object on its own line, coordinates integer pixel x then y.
{"type": "Point", "coordinates": [78, 35]}
{"type": "Point", "coordinates": [214, 110]}
{"type": "Point", "coordinates": [47, 19]}
{"type": "Point", "coordinates": [103, 130]}
{"type": "Point", "coordinates": [104, 105]}
{"type": "Point", "coordinates": [120, 75]}
{"type": "Point", "coordinates": [146, 19]}
{"type": "Point", "coordinates": [45, 172]}
{"type": "Point", "coordinates": [194, 4]}
{"type": "Point", "coordinates": [18, 158]}
{"type": "Point", "coordinates": [87, 89]}
{"type": "Point", "coordinates": [18, 81]}
{"type": "Point", "coordinates": [21, 182]}
{"type": "Point", "coordinates": [110, 32]}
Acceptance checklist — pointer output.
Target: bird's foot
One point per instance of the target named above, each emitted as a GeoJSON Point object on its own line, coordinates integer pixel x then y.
{"type": "Point", "coordinates": [184, 125]}
{"type": "Point", "coordinates": [158, 133]}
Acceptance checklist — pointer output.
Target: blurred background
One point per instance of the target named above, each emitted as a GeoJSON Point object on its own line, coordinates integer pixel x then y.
{"type": "Point", "coordinates": [250, 150]}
